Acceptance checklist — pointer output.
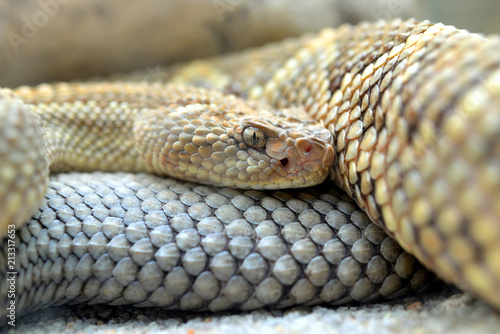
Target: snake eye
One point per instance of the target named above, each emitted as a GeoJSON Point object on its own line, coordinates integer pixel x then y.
{"type": "Point", "coordinates": [254, 137]}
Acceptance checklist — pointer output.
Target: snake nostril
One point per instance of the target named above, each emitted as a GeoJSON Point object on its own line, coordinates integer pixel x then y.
{"type": "Point", "coordinates": [284, 162]}
{"type": "Point", "coordinates": [308, 148]}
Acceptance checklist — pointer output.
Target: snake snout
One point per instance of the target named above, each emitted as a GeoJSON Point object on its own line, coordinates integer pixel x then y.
{"type": "Point", "coordinates": [305, 159]}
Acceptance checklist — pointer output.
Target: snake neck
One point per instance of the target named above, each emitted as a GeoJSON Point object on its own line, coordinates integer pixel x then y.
{"type": "Point", "coordinates": [85, 128]}
{"type": "Point", "coordinates": [84, 141]}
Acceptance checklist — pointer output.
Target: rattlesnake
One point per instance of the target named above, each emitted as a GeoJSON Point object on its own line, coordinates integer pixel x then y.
{"type": "Point", "coordinates": [399, 99]}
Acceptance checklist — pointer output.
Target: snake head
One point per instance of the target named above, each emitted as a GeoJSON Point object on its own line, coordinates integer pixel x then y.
{"type": "Point", "coordinates": [292, 152]}
{"type": "Point", "coordinates": [225, 141]}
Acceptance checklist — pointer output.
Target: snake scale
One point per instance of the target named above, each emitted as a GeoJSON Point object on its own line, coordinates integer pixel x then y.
{"type": "Point", "coordinates": [413, 110]}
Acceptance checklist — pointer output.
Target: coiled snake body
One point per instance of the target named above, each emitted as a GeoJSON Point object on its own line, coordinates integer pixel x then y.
{"type": "Point", "coordinates": [413, 109]}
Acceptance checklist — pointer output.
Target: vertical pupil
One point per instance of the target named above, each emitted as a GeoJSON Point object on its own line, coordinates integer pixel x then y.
{"type": "Point", "coordinates": [254, 138]}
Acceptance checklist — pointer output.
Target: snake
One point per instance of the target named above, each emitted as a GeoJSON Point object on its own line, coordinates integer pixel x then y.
{"type": "Point", "coordinates": [412, 116]}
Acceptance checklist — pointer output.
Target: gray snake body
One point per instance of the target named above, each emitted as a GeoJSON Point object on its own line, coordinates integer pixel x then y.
{"type": "Point", "coordinates": [146, 241]}
{"type": "Point", "coordinates": [415, 118]}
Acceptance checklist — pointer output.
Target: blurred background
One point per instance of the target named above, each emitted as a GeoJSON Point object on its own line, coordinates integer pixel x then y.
{"type": "Point", "coordinates": [477, 16]}
{"type": "Point", "coordinates": [51, 40]}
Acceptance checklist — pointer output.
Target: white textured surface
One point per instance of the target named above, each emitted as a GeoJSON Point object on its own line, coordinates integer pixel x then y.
{"type": "Point", "coordinates": [456, 314]}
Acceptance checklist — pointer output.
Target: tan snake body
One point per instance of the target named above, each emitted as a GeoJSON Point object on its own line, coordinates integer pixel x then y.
{"type": "Point", "coordinates": [415, 118]}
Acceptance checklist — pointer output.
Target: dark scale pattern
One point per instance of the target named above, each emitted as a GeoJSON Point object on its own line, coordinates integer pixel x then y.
{"type": "Point", "coordinates": [149, 241]}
